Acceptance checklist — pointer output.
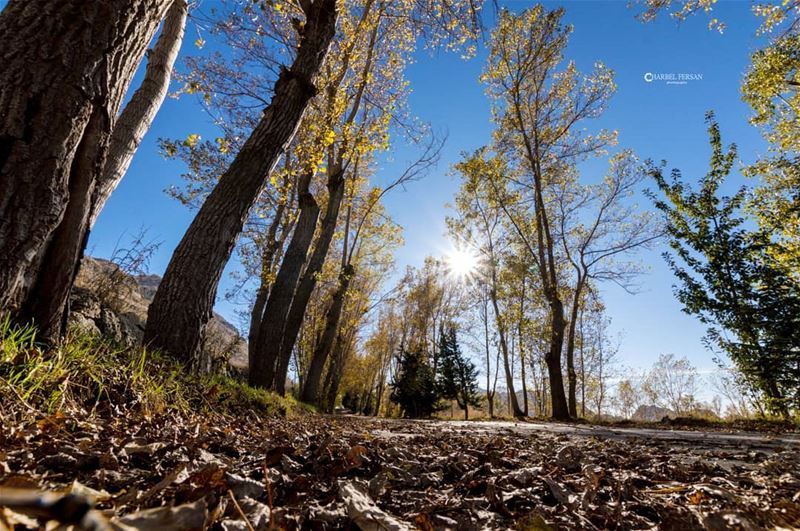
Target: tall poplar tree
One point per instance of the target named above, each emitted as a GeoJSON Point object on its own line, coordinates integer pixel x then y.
{"type": "Point", "coordinates": [541, 103]}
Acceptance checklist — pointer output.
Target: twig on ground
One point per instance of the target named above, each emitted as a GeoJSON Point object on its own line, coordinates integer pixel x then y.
{"type": "Point", "coordinates": [240, 511]}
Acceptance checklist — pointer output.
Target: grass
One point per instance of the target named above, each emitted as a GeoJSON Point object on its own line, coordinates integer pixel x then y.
{"type": "Point", "coordinates": [90, 373]}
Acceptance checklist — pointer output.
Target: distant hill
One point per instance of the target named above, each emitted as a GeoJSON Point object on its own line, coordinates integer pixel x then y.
{"type": "Point", "coordinates": [108, 301]}
{"type": "Point", "coordinates": [652, 414]}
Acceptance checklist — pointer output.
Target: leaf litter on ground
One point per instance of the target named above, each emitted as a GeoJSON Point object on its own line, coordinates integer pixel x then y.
{"type": "Point", "coordinates": [178, 471]}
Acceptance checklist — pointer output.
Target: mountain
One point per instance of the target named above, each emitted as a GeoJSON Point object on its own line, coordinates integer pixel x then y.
{"type": "Point", "coordinates": [107, 300]}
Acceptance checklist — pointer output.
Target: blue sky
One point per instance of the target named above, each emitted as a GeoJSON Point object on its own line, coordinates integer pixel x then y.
{"type": "Point", "coordinates": [656, 120]}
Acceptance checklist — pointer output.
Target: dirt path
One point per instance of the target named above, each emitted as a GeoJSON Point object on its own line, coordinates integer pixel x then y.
{"type": "Point", "coordinates": [705, 439]}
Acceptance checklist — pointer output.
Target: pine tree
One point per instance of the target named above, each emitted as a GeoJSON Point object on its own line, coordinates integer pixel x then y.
{"type": "Point", "coordinates": [414, 388]}
{"type": "Point", "coordinates": [458, 376]}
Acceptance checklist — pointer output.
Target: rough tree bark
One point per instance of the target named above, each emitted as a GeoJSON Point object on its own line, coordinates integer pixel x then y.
{"type": "Point", "coordinates": [183, 303]}
{"type": "Point", "coordinates": [141, 109]}
{"type": "Point", "coordinates": [313, 378]}
{"type": "Point", "coordinates": [553, 360]}
{"type": "Point", "coordinates": [269, 258]}
{"type": "Point", "coordinates": [65, 66]}
{"type": "Point", "coordinates": [48, 300]}
{"type": "Point", "coordinates": [271, 323]}
{"type": "Point", "coordinates": [281, 351]}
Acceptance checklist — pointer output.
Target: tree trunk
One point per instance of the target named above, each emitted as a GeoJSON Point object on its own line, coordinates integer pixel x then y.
{"type": "Point", "coordinates": [282, 350]}
{"type": "Point", "coordinates": [271, 323]}
{"type": "Point", "coordinates": [48, 300]}
{"type": "Point", "coordinates": [583, 369]}
{"type": "Point", "coordinates": [141, 110]}
{"type": "Point", "coordinates": [521, 350]}
{"type": "Point", "coordinates": [379, 399]}
{"type": "Point", "coordinates": [553, 359]}
{"type": "Point", "coordinates": [512, 394]}
{"type": "Point", "coordinates": [268, 258]}
{"type": "Point", "coordinates": [184, 301]}
{"type": "Point", "coordinates": [381, 387]}
{"type": "Point", "coordinates": [322, 351]}
{"type": "Point", "coordinates": [64, 68]}
{"type": "Point", "coordinates": [46, 303]}
{"type": "Point", "coordinates": [489, 393]}
{"type": "Point", "coordinates": [334, 376]}
{"type": "Point", "coordinates": [572, 378]}
{"type": "Point", "coordinates": [524, 388]}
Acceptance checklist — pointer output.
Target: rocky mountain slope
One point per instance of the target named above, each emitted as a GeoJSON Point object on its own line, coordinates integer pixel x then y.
{"type": "Point", "coordinates": [107, 300]}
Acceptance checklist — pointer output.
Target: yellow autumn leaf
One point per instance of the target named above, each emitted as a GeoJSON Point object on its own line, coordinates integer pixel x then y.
{"type": "Point", "coordinates": [222, 145]}
{"type": "Point", "coordinates": [191, 140]}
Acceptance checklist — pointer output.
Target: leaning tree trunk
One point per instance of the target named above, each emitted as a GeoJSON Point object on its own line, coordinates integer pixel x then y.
{"type": "Point", "coordinates": [273, 319]}
{"type": "Point", "coordinates": [323, 350]}
{"type": "Point", "coordinates": [281, 350]}
{"type": "Point", "coordinates": [141, 110]}
{"type": "Point", "coordinates": [184, 301]}
{"type": "Point", "coordinates": [65, 66]}
{"type": "Point", "coordinates": [334, 376]}
{"type": "Point", "coordinates": [47, 301]}
{"type": "Point", "coordinates": [268, 259]}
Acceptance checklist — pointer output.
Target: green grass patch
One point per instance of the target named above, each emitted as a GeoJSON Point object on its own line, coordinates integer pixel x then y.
{"type": "Point", "coordinates": [91, 374]}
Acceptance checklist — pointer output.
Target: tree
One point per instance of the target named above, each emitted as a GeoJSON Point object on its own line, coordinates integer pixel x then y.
{"type": "Point", "coordinates": [361, 92]}
{"type": "Point", "coordinates": [49, 301]}
{"type": "Point", "coordinates": [380, 348]}
{"type": "Point", "coordinates": [772, 88]}
{"type": "Point", "coordinates": [672, 383]}
{"type": "Point", "coordinates": [596, 355]}
{"type": "Point", "coordinates": [340, 138]}
{"type": "Point", "coordinates": [185, 297]}
{"type": "Point", "coordinates": [371, 261]}
{"type": "Point", "coordinates": [414, 388]}
{"type": "Point", "coordinates": [56, 122]}
{"type": "Point", "coordinates": [598, 228]}
{"type": "Point", "coordinates": [731, 280]}
{"type": "Point", "coordinates": [458, 376]}
{"type": "Point", "coordinates": [485, 318]}
{"type": "Point", "coordinates": [363, 221]}
{"type": "Point", "coordinates": [540, 106]}
{"type": "Point", "coordinates": [742, 400]}
{"type": "Point", "coordinates": [139, 113]}
{"type": "Point", "coordinates": [479, 225]}
{"type": "Point", "coordinates": [627, 398]}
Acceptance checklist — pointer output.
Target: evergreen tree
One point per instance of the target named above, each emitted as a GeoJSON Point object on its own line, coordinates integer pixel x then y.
{"type": "Point", "coordinates": [730, 278]}
{"type": "Point", "coordinates": [458, 376]}
{"type": "Point", "coordinates": [414, 388]}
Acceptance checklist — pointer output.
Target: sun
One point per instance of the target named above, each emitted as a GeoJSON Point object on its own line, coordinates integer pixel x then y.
{"type": "Point", "coordinates": [461, 263]}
